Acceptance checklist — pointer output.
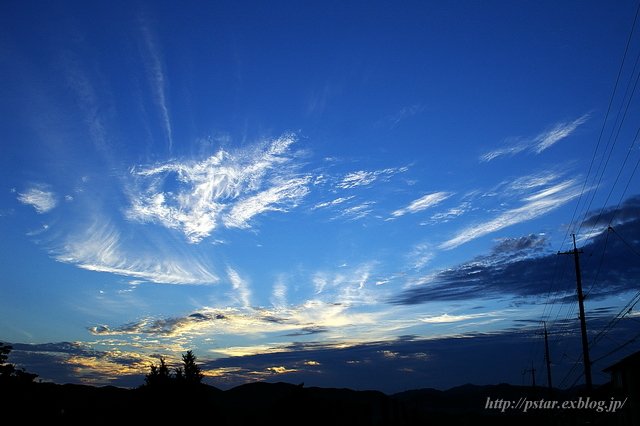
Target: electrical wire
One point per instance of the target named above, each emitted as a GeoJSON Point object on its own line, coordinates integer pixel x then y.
{"type": "Point", "coordinates": [565, 326]}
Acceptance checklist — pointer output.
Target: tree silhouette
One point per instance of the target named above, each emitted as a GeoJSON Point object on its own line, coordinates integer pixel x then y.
{"type": "Point", "coordinates": [182, 384]}
{"type": "Point", "coordinates": [8, 372]}
{"type": "Point", "coordinates": [189, 374]}
{"type": "Point", "coordinates": [159, 374]}
{"type": "Point", "coordinates": [192, 372]}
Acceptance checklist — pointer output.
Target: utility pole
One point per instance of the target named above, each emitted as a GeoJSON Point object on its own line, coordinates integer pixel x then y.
{"type": "Point", "coordinates": [533, 378]}
{"type": "Point", "coordinates": [547, 358]}
{"type": "Point", "coordinates": [583, 322]}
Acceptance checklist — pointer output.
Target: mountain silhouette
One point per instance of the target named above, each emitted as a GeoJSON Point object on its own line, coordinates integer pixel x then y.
{"type": "Point", "coordinates": [280, 403]}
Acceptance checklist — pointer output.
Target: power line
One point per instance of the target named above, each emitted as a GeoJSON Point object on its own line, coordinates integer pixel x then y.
{"type": "Point", "coordinates": [557, 303]}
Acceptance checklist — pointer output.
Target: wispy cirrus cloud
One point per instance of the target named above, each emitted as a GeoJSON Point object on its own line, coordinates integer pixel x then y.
{"type": "Point", "coordinates": [353, 207]}
{"type": "Point", "coordinates": [332, 203]}
{"type": "Point", "coordinates": [405, 113]}
{"type": "Point", "coordinates": [533, 181]}
{"type": "Point", "coordinates": [522, 267]}
{"type": "Point", "coordinates": [240, 286]}
{"type": "Point", "coordinates": [539, 143]}
{"type": "Point", "coordinates": [364, 177]}
{"type": "Point", "coordinates": [535, 205]}
{"type": "Point", "coordinates": [359, 178]}
{"type": "Point", "coordinates": [558, 132]}
{"type": "Point", "coordinates": [334, 306]}
{"type": "Point", "coordinates": [356, 212]}
{"type": "Point", "coordinates": [452, 213]}
{"type": "Point", "coordinates": [448, 318]}
{"type": "Point", "coordinates": [100, 248]}
{"type": "Point", "coordinates": [227, 189]}
{"type": "Point", "coordinates": [156, 78]}
{"type": "Point", "coordinates": [284, 193]}
{"type": "Point", "coordinates": [279, 297]}
{"type": "Point", "coordinates": [420, 256]}
{"type": "Point", "coordinates": [423, 203]}
{"type": "Point", "coordinates": [40, 197]}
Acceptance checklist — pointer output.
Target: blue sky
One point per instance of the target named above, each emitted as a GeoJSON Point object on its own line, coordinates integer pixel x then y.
{"type": "Point", "coordinates": [351, 194]}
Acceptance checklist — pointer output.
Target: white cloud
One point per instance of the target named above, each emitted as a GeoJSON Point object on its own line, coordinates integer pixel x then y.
{"type": "Point", "coordinates": [451, 213]}
{"type": "Point", "coordinates": [310, 316]}
{"type": "Point", "coordinates": [359, 178]}
{"type": "Point", "coordinates": [510, 150]}
{"type": "Point", "coordinates": [229, 189]}
{"type": "Point", "coordinates": [279, 298]}
{"type": "Point", "coordinates": [405, 112]}
{"type": "Point", "coordinates": [541, 142]}
{"type": "Point", "coordinates": [42, 199]}
{"type": "Point", "coordinates": [421, 255]}
{"type": "Point", "coordinates": [560, 131]}
{"type": "Point", "coordinates": [240, 286]}
{"type": "Point", "coordinates": [357, 212]}
{"type": "Point", "coordinates": [536, 205]}
{"type": "Point", "coordinates": [533, 181]}
{"type": "Point", "coordinates": [423, 203]}
{"type": "Point", "coordinates": [270, 199]}
{"type": "Point", "coordinates": [446, 318]}
{"type": "Point", "coordinates": [99, 248]}
{"type": "Point", "coordinates": [157, 79]}
{"type": "Point", "coordinates": [332, 203]}
{"type": "Point", "coordinates": [362, 177]}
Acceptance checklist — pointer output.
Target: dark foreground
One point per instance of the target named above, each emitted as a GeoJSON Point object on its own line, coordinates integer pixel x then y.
{"type": "Point", "coordinates": [280, 403]}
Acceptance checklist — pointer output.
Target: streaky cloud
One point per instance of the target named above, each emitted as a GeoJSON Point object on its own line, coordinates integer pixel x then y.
{"type": "Point", "coordinates": [279, 297]}
{"type": "Point", "coordinates": [452, 213]}
{"type": "Point", "coordinates": [272, 199]}
{"type": "Point", "coordinates": [332, 203]}
{"type": "Point", "coordinates": [539, 143]}
{"type": "Point", "coordinates": [227, 189]}
{"type": "Point", "coordinates": [241, 287]}
{"type": "Point", "coordinates": [535, 205]}
{"type": "Point", "coordinates": [308, 331]}
{"type": "Point", "coordinates": [534, 181]}
{"type": "Point", "coordinates": [162, 327]}
{"type": "Point", "coordinates": [357, 212]}
{"type": "Point", "coordinates": [72, 348]}
{"type": "Point", "coordinates": [40, 197]}
{"type": "Point", "coordinates": [339, 307]}
{"type": "Point", "coordinates": [420, 256]}
{"type": "Point", "coordinates": [447, 318]}
{"type": "Point", "coordinates": [405, 113]}
{"type": "Point", "coordinates": [423, 203]}
{"type": "Point", "coordinates": [363, 178]}
{"type": "Point", "coordinates": [520, 268]}
{"type": "Point", "coordinates": [359, 178]}
{"type": "Point", "coordinates": [99, 248]}
{"type": "Point", "coordinates": [559, 131]}
{"type": "Point", "coordinates": [157, 79]}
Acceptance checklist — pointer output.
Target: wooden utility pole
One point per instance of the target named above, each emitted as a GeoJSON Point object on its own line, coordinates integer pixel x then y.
{"type": "Point", "coordinates": [583, 322]}
{"type": "Point", "coordinates": [547, 358]}
{"type": "Point", "coordinates": [533, 378]}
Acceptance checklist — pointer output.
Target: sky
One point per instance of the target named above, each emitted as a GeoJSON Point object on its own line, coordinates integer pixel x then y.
{"type": "Point", "coordinates": [372, 195]}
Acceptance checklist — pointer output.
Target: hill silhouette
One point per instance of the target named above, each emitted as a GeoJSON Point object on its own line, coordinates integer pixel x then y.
{"type": "Point", "coordinates": [180, 396]}
{"type": "Point", "coordinates": [280, 403]}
